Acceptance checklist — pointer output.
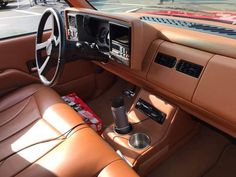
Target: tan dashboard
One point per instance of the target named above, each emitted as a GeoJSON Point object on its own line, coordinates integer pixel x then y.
{"type": "Point", "coordinates": [188, 68]}
{"type": "Point", "coordinates": [216, 90]}
{"type": "Point", "coordinates": [177, 82]}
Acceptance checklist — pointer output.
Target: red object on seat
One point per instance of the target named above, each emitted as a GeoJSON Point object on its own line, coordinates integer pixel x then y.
{"type": "Point", "coordinates": [84, 110]}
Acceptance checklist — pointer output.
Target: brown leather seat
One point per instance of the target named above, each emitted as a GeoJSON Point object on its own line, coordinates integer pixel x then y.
{"type": "Point", "coordinates": [33, 142]}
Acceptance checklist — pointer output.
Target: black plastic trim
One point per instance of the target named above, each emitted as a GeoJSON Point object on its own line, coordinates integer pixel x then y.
{"type": "Point", "coordinates": [165, 60]}
{"type": "Point", "coordinates": [189, 68]}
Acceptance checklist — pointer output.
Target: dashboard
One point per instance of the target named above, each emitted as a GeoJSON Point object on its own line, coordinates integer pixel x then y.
{"type": "Point", "coordinates": [193, 66]}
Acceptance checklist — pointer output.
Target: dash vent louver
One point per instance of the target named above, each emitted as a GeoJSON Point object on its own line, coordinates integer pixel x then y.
{"type": "Point", "coordinates": [189, 68]}
{"type": "Point", "coordinates": [216, 30]}
{"type": "Point", "coordinates": [165, 60]}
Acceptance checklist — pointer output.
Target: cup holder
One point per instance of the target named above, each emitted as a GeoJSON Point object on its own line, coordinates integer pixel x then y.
{"type": "Point", "coordinates": [139, 141]}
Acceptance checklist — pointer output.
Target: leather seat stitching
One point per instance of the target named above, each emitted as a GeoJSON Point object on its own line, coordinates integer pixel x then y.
{"type": "Point", "coordinates": [28, 166]}
{"type": "Point", "coordinates": [49, 126]}
{"type": "Point", "coordinates": [41, 116]}
{"type": "Point", "coordinates": [108, 165]}
{"type": "Point", "coordinates": [20, 129]}
{"type": "Point", "coordinates": [17, 133]}
{"type": "Point", "coordinates": [16, 114]}
{"type": "Point", "coordinates": [36, 102]}
{"type": "Point", "coordinates": [73, 134]}
{"type": "Point", "coordinates": [39, 89]}
{"type": "Point", "coordinates": [32, 163]}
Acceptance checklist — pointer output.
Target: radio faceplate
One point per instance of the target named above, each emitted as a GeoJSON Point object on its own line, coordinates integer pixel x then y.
{"type": "Point", "coordinates": [120, 37]}
{"type": "Point", "coordinates": [120, 52]}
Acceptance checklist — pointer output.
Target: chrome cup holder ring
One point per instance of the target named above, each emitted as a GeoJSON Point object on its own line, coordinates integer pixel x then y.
{"type": "Point", "coordinates": [139, 141]}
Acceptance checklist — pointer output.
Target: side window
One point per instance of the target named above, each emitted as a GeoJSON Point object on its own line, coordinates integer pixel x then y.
{"type": "Point", "coordinates": [18, 17]}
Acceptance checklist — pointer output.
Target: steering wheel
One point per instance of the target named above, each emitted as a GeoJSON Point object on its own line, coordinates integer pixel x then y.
{"type": "Point", "coordinates": [50, 53]}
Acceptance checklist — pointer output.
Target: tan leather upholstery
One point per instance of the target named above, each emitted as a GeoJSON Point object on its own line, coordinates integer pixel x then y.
{"type": "Point", "coordinates": [116, 169]}
{"type": "Point", "coordinates": [36, 113]}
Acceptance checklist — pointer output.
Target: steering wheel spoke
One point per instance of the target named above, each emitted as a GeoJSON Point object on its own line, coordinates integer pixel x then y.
{"type": "Point", "coordinates": [44, 66]}
{"type": "Point", "coordinates": [55, 31]}
{"type": "Point", "coordinates": [56, 40]}
{"type": "Point", "coordinates": [42, 45]}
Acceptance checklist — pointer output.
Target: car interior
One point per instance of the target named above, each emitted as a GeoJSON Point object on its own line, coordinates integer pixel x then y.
{"type": "Point", "coordinates": [163, 87]}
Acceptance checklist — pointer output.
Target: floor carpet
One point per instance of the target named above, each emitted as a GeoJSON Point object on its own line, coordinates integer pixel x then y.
{"type": "Point", "coordinates": [208, 154]}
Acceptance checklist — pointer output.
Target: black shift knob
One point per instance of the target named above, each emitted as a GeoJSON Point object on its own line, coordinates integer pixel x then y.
{"type": "Point", "coordinates": [121, 122]}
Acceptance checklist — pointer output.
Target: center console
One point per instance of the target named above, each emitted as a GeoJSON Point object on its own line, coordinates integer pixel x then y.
{"type": "Point", "coordinates": [158, 128]}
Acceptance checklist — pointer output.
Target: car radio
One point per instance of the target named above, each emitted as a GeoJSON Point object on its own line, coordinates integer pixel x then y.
{"type": "Point", "coordinates": [120, 37]}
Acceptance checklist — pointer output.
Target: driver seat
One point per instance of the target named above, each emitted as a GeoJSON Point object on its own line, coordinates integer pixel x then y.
{"type": "Point", "coordinates": [42, 136]}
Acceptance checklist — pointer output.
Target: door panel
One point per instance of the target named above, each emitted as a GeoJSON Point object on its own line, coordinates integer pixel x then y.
{"type": "Point", "coordinates": [15, 52]}
{"type": "Point", "coordinates": [79, 76]}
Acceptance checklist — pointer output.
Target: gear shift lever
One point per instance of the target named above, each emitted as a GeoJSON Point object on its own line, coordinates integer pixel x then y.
{"type": "Point", "coordinates": [122, 125]}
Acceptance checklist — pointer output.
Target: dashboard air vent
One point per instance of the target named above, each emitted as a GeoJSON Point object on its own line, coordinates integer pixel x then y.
{"type": "Point", "coordinates": [189, 68]}
{"type": "Point", "coordinates": [216, 30]}
{"type": "Point", "coordinates": [165, 60]}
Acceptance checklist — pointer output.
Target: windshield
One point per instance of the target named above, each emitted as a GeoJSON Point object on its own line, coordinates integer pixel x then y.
{"type": "Point", "coordinates": [217, 10]}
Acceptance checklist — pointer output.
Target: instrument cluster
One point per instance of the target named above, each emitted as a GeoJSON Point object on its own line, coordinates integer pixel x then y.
{"type": "Point", "coordinates": [111, 37]}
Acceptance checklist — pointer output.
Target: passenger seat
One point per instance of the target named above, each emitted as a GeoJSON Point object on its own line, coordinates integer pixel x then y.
{"type": "Point", "coordinates": [42, 136]}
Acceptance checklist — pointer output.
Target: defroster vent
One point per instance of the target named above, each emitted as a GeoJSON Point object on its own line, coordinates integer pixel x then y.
{"type": "Point", "coordinates": [205, 28]}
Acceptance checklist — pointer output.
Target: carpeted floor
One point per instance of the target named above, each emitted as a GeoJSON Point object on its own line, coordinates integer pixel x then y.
{"type": "Point", "coordinates": [102, 105]}
{"type": "Point", "coordinates": [208, 154]}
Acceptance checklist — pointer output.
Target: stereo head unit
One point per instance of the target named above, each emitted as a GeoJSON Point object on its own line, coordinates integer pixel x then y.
{"type": "Point", "coordinates": [120, 42]}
